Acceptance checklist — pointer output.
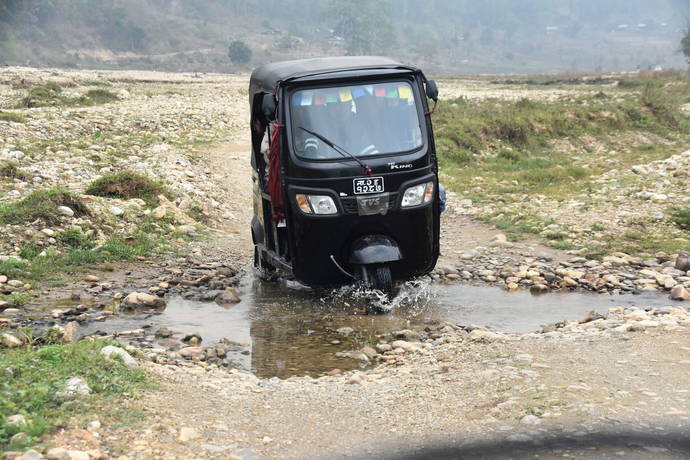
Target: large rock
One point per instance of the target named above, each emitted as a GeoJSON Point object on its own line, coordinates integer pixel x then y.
{"type": "Point", "coordinates": [74, 387]}
{"type": "Point", "coordinates": [193, 353]}
{"type": "Point", "coordinates": [141, 299]}
{"type": "Point", "coordinates": [481, 335]}
{"type": "Point", "coordinates": [680, 293]}
{"type": "Point", "coordinates": [57, 453]}
{"type": "Point", "coordinates": [31, 455]}
{"type": "Point", "coordinates": [65, 211]}
{"type": "Point", "coordinates": [407, 346]}
{"type": "Point", "coordinates": [16, 420]}
{"type": "Point", "coordinates": [227, 297]}
{"type": "Point", "coordinates": [10, 341]}
{"type": "Point", "coordinates": [188, 434]}
{"type": "Point", "coordinates": [683, 261]}
{"type": "Point", "coordinates": [113, 352]}
{"type": "Point", "coordinates": [71, 332]}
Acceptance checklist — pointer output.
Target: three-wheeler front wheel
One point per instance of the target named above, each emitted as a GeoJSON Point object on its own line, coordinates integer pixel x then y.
{"type": "Point", "coordinates": [376, 276]}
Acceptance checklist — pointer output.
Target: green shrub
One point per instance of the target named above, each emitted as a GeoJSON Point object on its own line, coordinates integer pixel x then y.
{"type": "Point", "coordinates": [13, 268]}
{"type": "Point", "coordinates": [655, 100]}
{"type": "Point", "coordinates": [42, 204]}
{"type": "Point", "coordinates": [239, 52]}
{"type": "Point", "coordinates": [127, 185]}
{"type": "Point", "coordinates": [98, 97]}
{"type": "Point", "coordinates": [76, 239]}
{"type": "Point", "coordinates": [49, 94]}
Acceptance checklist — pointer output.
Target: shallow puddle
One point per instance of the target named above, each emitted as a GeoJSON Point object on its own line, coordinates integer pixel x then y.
{"type": "Point", "coordinates": [291, 332]}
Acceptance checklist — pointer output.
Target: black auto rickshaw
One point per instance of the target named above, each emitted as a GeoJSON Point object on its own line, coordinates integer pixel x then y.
{"type": "Point", "coordinates": [347, 187]}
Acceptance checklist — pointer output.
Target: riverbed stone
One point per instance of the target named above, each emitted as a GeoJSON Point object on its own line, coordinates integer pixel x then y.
{"type": "Point", "coordinates": [57, 453]}
{"type": "Point", "coordinates": [227, 297]}
{"type": "Point", "coordinates": [188, 434]}
{"type": "Point", "coordinates": [683, 261]}
{"type": "Point", "coordinates": [141, 299]}
{"type": "Point", "coordinates": [192, 353]}
{"type": "Point", "coordinates": [484, 336]}
{"type": "Point", "coordinates": [31, 455]}
{"type": "Point", "coordinates": [10, 341]}
{"type": "Point", "coordinates": [680, 293]}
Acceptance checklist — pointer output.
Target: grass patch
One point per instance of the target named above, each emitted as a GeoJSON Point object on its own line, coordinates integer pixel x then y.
{"type": "Point", "coordinates": [16, 299]}
{"type": "Point", "coordinates": [12, 117]}
{"type": "Point", "coordinates": [42, 204]}
{"type": "Point", "coordinates": [681, 217]}
{"type": "Point", "coordinates": [127, 185]}
{"type": "Point", "coordinates": [51, 95]}
{"type": "Point", "coordinates": [98, 97]}
{"type": "Point", "coordinates": [11, 170]}
{"type": "Point", "coordinates": [80, 254]}
{"type": "Point", "coordinates": [30, 379]}
{"type": "Point", "coordinates": [100, 83]}
{"type": "Point", "coordinates": [500, 153]}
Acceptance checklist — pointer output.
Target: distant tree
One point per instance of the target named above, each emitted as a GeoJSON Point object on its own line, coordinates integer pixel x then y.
{"type": "Point", "coordinates": [366, 25]}
{"type": "Point", "coordinates": [239, 52]}
{"type": "Point", "coordinates": [685, 45]}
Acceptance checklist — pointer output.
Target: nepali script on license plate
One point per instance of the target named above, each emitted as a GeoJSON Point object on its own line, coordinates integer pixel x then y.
{"type": "Point", "coordinates": [367, 185]}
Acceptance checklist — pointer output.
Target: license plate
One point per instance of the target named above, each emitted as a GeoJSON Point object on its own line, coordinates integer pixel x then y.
{"type": "Point", "coordinates": [366, 185]}
{"type": "Point", "coordinates": [371, 205]}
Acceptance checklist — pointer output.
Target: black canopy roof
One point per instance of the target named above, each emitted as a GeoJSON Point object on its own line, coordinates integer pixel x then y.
{"type": "Point", "coordinates": [265, 77]}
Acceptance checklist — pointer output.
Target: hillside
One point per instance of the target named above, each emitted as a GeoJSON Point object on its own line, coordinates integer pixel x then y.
{"type": "Point", "coordinates": [496, 36]}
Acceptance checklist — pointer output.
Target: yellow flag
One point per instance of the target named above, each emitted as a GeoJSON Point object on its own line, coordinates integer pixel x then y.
{"type": "Point", "coordinates": [405, 92]}
{"type": "Point", "coordinates": [345, 95]}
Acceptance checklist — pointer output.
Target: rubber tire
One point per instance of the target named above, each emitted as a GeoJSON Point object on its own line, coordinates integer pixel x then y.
{"type": "Point", "coordinates": [265, 269]}
{"type": "Point", "coordinates": [381, 278]}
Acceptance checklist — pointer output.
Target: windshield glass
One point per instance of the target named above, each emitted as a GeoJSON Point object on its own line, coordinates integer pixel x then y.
{"type": "Point", "coordinates": [364, 120]}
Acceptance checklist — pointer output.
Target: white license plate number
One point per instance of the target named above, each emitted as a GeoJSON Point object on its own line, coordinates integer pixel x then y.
{"type": "Point", "coordinates": [367, 185]}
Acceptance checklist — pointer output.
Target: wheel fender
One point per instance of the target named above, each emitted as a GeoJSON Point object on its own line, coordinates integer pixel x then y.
{"type": "Point", "coordinates": [374, 249]}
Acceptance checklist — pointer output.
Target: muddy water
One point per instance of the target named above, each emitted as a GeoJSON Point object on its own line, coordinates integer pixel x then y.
{"type": "Point", "coordinates": [291, 332]}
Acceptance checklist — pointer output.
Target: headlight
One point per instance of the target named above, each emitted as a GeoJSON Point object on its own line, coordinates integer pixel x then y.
{"type": "Point", "coordinates": [316, 204]}
{"type": "Point", "coordinates": [418, 194]}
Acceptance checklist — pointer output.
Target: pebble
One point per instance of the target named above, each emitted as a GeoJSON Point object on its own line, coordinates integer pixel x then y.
{"type": "Point", "coordinates": [116, 210]}
{"type": "Point", "coordinates": [78, 455]}
{"type": "Point", "coordinates": [346, 331]}
{"type": "Point", "coordinates": [57, 453]}
{"type": "Point", "coordinates": [188, 434]}
{"type": "Point", "coordinates": [65, 211]}
{"type": "Point", "coordinates": [530, 420]}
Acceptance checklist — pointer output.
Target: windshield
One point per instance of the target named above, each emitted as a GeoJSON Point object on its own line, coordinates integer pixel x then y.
{"type": "Point", "coordinates": [364, 120]}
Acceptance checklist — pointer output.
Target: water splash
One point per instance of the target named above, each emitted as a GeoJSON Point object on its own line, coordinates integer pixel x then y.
{"type": "Point", "coordinates": [413, 295]}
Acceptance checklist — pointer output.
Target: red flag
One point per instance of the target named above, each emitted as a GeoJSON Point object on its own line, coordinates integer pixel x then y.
{"type": "Point", "coordinates": [274, 189]}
